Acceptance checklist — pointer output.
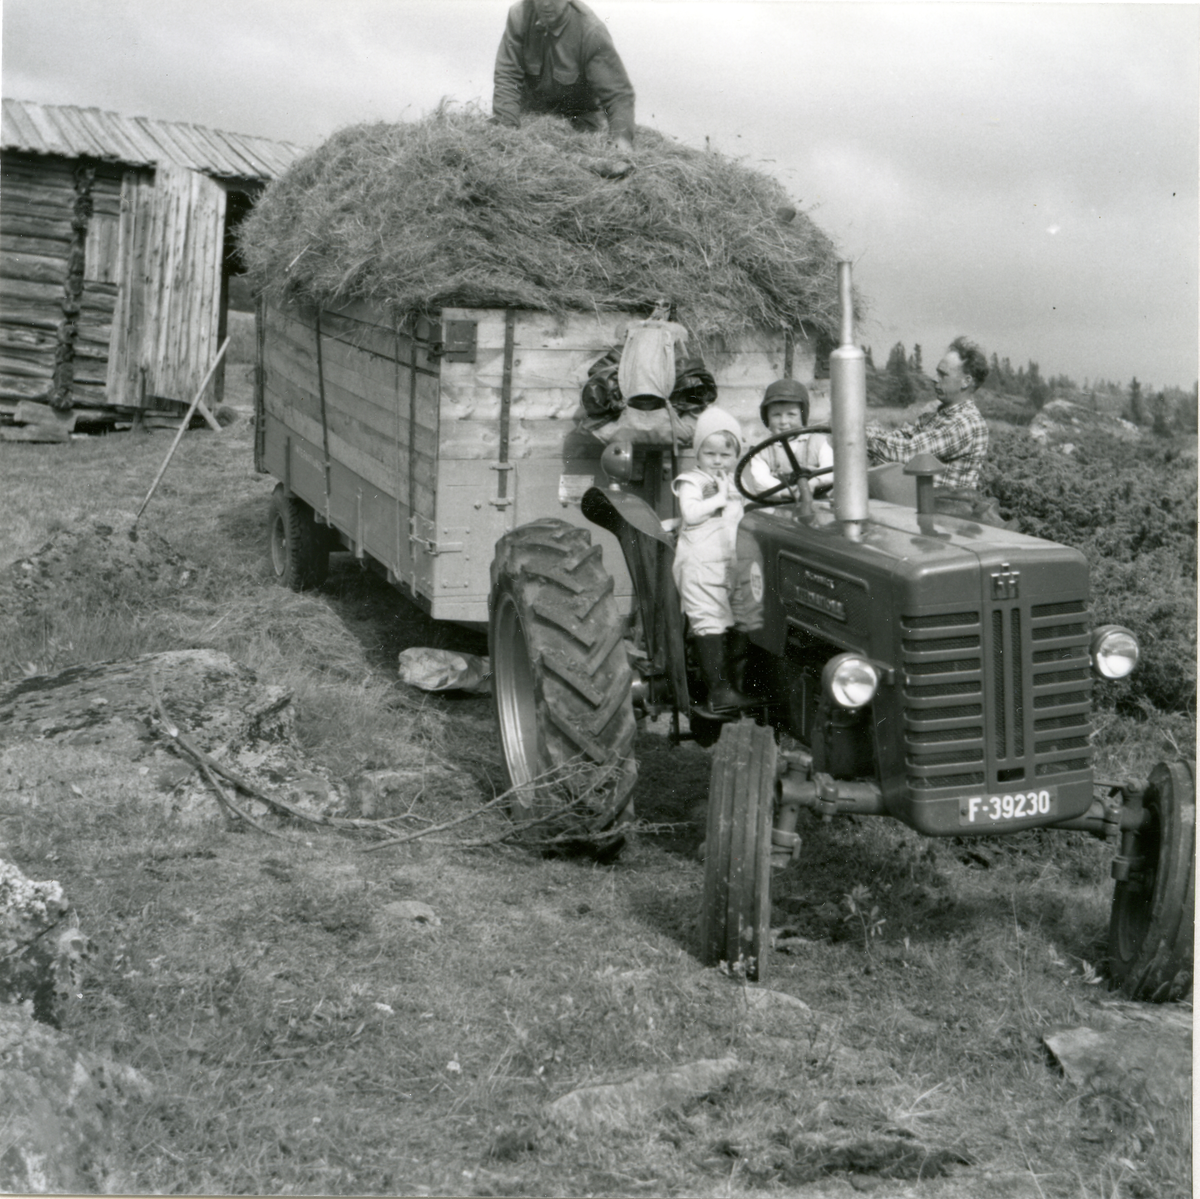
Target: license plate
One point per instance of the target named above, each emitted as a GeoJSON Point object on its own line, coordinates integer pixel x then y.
{"type": "Point", "coordinates": [1016, 805]}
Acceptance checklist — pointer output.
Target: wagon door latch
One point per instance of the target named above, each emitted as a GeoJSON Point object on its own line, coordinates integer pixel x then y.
{"type": "Point", "coordinates": [430, 544]}
{"type": "Point", "coordinates": [454, 341]}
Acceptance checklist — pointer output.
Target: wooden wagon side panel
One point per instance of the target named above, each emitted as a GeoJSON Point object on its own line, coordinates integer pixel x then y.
{"type": "Point", "coordinates": [364, 397]}
{"type": "Point", "coordinates": [510, 449]}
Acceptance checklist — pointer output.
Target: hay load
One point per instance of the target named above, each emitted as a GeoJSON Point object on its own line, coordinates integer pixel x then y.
{"type": "Point", "coordinates": [452, 210]}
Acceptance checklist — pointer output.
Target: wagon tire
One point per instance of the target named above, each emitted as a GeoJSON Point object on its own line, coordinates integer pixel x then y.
{"type": "Point", "coordinates": [562, 687]}
{"type": "Point", "coordinates": [299, 546]}
{"type": "Point", "coordinates": [1150, 937]}
{"type": "Point", "coordinates": [735, 915]}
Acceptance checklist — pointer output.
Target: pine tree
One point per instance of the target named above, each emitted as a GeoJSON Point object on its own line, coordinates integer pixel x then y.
{"type": "Point", "coordinates": [1137, 407]}
{"type": "Point", "coordinates": [899, 389]}
{"type": "Point", "coordinates": [1035, 387]}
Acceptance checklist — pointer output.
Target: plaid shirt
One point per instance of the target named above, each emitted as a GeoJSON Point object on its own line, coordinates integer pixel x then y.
{"type": "Point", "coordinates": [958, 436]}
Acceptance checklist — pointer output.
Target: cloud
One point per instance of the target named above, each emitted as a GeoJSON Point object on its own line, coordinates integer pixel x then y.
{"type": "Point", "coordinates": [938, 143]}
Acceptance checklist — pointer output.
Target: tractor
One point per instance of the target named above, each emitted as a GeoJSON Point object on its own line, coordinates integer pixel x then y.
{"type": "Point", "coordinates": [905, 663]}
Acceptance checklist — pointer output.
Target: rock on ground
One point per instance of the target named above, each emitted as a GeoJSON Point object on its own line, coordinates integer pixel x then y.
{"type": "Point", "coordinates": [42, 952]}
{"type": "Point", "coordinates": [1141, 1051]}
{"type": "Point", "coordinates": [109, 708]}
{"type": "Point", "coordinates": [63, 1111]}
{"type": "Point", "coordinates": [622, 1104]}
{"type": "Point", "coordinates": [1061, 423]}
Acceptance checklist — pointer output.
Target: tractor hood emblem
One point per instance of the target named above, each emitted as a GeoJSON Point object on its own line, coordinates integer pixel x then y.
{"type": "Point", "coordinates": [1005, 583]}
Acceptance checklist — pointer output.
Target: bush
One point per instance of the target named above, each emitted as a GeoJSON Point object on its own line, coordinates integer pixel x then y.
{"type": "Point", "coordinates": [1132, 510]}
{"type": "Point", "coordinates": [1008, 409]}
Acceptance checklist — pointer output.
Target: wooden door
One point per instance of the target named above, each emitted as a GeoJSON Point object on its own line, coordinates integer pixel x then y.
{"type": "Point", "coordinates": [169, 287]}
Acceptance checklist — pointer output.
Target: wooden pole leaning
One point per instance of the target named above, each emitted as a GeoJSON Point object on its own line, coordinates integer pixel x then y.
{"type": "Point", "coordinates": [162, 470]}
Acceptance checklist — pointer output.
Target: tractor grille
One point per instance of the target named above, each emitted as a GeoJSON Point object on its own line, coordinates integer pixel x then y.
{"type": "Point", "coordinates": [996, 699]}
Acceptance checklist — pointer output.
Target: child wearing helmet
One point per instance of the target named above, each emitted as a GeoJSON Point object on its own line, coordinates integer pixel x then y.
{"type": "Point", "coordinates": [710, 510]}
{"type": "Point", "coordinates": [785, 407]}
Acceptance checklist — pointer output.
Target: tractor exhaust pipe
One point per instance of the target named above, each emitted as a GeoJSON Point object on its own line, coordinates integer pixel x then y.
{"type": "Point", "coordinates": [848, 398]}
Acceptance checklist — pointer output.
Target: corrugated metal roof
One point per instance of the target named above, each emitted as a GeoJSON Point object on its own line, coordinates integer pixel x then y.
{"type": "Point", "coordinates": [73, 132]}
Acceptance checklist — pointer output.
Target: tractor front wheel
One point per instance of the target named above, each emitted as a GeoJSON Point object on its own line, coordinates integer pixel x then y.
{"type": "Point", "coordinates": [735, 918]}
{"type": "Point", "coordinates": [1151, 930]}
{"type": "Point", "coordinates": [562, 685]}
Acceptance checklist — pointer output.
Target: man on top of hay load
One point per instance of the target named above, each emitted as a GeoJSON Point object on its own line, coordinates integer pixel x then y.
{"type": "Point", "coordinates": [556, 56]}
{"type": "Point", "coordinates": [956, 433]}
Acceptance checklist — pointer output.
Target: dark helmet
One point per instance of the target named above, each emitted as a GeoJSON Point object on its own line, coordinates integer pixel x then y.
{"type": "Point", "coordinates": [791, 390]}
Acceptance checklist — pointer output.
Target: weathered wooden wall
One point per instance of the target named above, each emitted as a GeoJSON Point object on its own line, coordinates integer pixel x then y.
{"type": "Point", "coordinates": [101, 258]}
{"type": "Point", "coordinates": [37, 201]}
{"type": "Point", "coordinates": [171, 239]}
{"type": "Point", "coordinates": [39, 319]}
{"type": "Point", "coordinates": [147, 265]}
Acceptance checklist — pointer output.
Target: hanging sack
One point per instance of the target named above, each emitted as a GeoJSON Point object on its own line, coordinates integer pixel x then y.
{"type": "Point", "coordinates": [602, 393]}
{"type": "Point", "coordinates": [695, 388]}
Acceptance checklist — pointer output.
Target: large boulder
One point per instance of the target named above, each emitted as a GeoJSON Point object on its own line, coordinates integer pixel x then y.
{"type": "Point", "coordinates": [62, 725]}
{"type": "Point", "coordinates": [63, 1111]}
{"type": "Point", "coordinates": [1061, 424]}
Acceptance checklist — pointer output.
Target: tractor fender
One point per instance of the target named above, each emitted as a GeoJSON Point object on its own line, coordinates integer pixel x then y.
{"type": "Point", "coordinates": [612, 509]}
{"type": "Point", "coordinates": [649, 551]}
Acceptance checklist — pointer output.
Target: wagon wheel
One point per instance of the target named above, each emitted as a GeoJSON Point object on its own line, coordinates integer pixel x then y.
{"type": "Point", "coordinates": [299, 546]}
{"type": "Point", "coordinates": [561, 681]}
{"type": "Point", "coordinates": [735, 918]}
{"type": "Point", "coordinates": [1150, 933]}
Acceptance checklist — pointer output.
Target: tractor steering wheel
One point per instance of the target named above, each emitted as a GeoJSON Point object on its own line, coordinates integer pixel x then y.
{"type": "Point", "coordinates": [782, 492]}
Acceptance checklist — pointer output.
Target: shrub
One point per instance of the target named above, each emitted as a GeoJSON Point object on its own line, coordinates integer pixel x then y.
{"type": "Point", "coordinates": [1007, 409]}
{"type": "Point", "coordinates": [1132, 510]}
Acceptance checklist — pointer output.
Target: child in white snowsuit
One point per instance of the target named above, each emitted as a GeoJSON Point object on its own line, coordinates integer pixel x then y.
{"type": "Point", "coordinates": [785, 407]}
{"type": "Point", "coordinates": [704, 566]}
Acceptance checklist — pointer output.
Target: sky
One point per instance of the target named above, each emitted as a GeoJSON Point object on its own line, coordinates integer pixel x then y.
{"type": "Point", "coordinates": [1026, 174]}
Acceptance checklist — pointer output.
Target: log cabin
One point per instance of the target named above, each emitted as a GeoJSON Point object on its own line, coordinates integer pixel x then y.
{"type": "Point", "coordinates": [116, 251]}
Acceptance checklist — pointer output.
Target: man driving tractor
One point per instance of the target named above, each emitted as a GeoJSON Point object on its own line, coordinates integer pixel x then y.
{"type": "Point", "coordinates": [956, 433]}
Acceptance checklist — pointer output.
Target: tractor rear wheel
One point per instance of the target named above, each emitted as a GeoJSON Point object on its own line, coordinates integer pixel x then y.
{"type": "Point", "coordinates": [299, 546]}
{"type": "Point", "coordinates": [735, 918]}
{"type": "Point", "coordinates": [562, 685]}
{"type": "Point", "coordinates": [1150, 934]}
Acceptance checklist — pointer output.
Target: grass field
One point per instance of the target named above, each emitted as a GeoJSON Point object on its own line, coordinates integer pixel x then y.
{"type": "Point", "coordinates": [301, 1040]}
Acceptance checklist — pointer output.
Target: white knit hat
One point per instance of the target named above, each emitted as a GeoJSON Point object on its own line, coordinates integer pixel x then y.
{"type": "Point", "coordinates": [716, 420]}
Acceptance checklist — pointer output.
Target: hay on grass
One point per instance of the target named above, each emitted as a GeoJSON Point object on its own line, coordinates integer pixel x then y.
{"type": "Point", "coordinates": [452, 210]}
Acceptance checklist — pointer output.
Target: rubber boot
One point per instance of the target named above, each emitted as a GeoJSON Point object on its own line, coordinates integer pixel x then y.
{"type": "Point", "coordinates": [737, 645]}
{"type": "Point", "coordinates": [723, 698]}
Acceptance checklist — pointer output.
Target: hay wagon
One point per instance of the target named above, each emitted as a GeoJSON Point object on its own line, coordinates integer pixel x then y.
{"type": "Point", "coordinates": [417, 444]}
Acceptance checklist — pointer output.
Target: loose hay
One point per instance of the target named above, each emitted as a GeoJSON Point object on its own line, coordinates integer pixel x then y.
{"type": "Point", "coordinates": [452, 210]}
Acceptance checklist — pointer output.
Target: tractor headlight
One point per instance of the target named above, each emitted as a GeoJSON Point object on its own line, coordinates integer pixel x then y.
{"type": "Point", "coordinates": [850, 681]}
{"type": "Point", "coordinates": [617, 460]}
{"type": "Point", "coordinates": [1114, 651]}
